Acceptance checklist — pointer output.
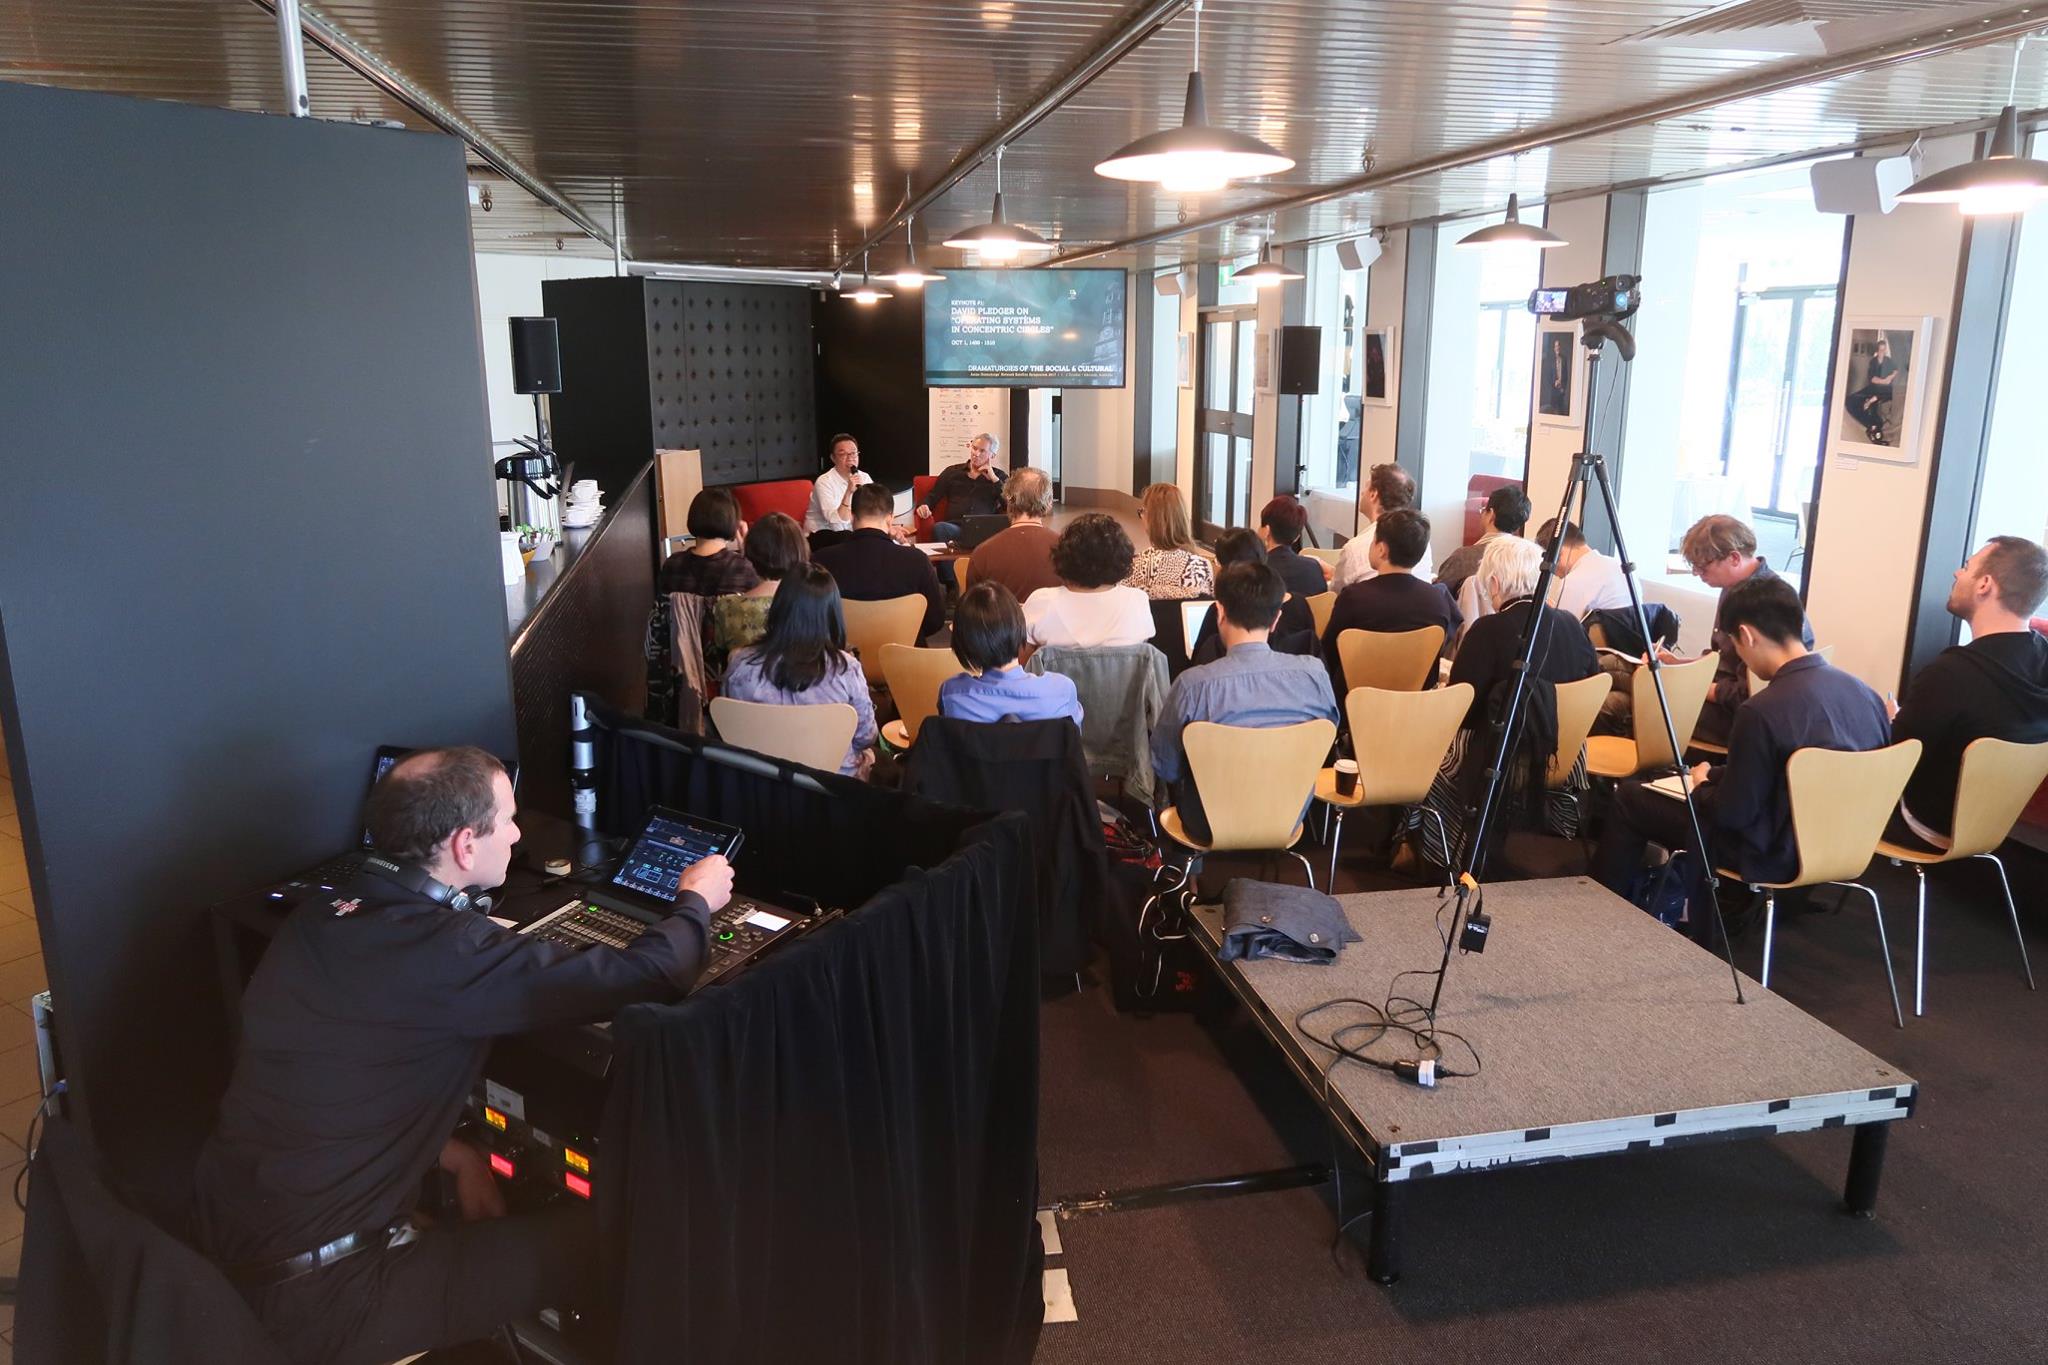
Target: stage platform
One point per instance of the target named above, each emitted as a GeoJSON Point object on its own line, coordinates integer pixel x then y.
{"type": "Point", "coordinates": [1600, 1031]}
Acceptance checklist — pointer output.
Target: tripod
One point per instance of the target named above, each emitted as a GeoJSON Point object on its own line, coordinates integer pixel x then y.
{"type": "Point", "coordinates": [1589, 469]}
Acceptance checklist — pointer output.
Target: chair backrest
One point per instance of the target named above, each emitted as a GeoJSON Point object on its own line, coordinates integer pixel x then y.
{"type": "Point", "coordinates": [1329, 557]}
{"type": "Point", "coordinates": [1578, 706]}
{"type": "Point", "coordinates": [914, 676]}
{"type": "Point", "coordinates": [1319, 608]}
{"type": "Point", "coordinates": [1401, 739]}
{"type": "Point", "coordinates": [815, 736]}
{"type": "Point", "coordinates": [1596, 635]}
{"type": "Point", "coordinates": [894, 620]}
{"type": "Point", "coordinates": [1393, 661]}
{"type": "Point", "coordinates": [1999, 777]}
{"type": "Point", "coordinates": [1841, 802]}
{"type": "Point", "coordinates": [1254, 783]}
{"type": "Point", "coordinates": [1685, 688]}
{"type": "Point", "coordinates": [1758, 684]}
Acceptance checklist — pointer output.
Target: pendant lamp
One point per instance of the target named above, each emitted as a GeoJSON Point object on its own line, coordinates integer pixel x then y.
{"type": "Point", "coordinates": [867, 295]}
{"type": "Point", "coordinates": [2001, 181]}
{"type": "Point", "coordinates": [910, 276]}
{"type": "Point", "coordinates": [1514, 232]}
{"type": "Point", "coordinates": [1268, 272]}
{"type": "Point", "coordinates": [1194, 157]}
{"type": "Point", "coordinates": [998, 240]}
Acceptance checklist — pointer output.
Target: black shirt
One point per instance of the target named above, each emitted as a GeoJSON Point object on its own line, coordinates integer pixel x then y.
{"type": "Point", "coordinates": [967, 496]}
{"type": "Point", "coordinates": [708, 575]}
{"type": "Point", "coordinates": [1994, 687]}
{"type": "Point", "coordinates": [871, 567]}
{"type": "Point", "coordinates": [1487, 655]}
{"type": "Point", "coordinates": [364, 1029]}
{"type": "Point", "coordinates": [1302, 575]}
{"type": "Point", "coordinates": [1391, 603]}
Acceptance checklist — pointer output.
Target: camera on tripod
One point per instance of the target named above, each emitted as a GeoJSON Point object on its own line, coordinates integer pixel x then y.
{"type": "Point", "coordinates": [1611, 299]}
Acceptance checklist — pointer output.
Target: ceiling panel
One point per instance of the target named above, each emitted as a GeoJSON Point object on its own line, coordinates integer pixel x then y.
{"type": "Point", "coordinates": [780, 133]}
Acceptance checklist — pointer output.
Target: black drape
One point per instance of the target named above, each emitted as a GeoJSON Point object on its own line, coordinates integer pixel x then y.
{"type": "Point", "coordinates": [834, 1157]}
{"type": "Point", "coordinates": [1036, 767]}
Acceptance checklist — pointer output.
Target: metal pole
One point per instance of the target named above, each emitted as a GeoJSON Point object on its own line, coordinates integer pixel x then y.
{"type": "Point", "coordinates": [291, 44]}
{"type": "Point", "coordinates": [618, 237]}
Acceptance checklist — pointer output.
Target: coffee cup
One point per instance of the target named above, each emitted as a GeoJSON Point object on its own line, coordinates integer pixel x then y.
{"type": "Point", "coordinates": [1347, 777]}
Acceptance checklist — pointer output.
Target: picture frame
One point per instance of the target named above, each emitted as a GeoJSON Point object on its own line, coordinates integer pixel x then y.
{"type": "Point", "coordinates": [1559, 377]}
{"type": "Point", "coordinates": [1863, 423]}
{"type": "Point", "coordinates": [1381, 361]}
{"type": "Point", "coordinates": [1266, 360]}
{"type": "Point", "coordinates": [1184, 366]}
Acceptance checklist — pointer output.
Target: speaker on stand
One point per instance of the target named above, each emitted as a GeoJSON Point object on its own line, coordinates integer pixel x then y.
{"type": "Point", "coordinates": [535, 477]}
{"type": "Point", "coordinates": [1301, 374]}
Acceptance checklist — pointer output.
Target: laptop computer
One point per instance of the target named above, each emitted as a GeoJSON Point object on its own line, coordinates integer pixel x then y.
{"type": "Point", "coordinates": [335, 871]}
{"type": "Point", "coordinates": [974, 530]}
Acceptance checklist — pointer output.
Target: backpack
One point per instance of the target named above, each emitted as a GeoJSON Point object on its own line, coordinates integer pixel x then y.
{"type": "Point", "coordinates": [1666, 891]}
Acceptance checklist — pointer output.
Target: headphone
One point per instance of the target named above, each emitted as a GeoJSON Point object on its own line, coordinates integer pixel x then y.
{"type": "Point", "coordinates": [416, 879]}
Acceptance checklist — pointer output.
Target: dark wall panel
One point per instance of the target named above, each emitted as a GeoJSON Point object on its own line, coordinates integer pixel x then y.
{"type": "Point", "coordinates": [601, 417]}
{"type": "Point", "coordinates": [871, 383]}
{"type": "Point", "coordinates": [248, 536]}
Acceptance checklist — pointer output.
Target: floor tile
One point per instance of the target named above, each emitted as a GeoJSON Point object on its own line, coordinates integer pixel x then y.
{"type": "Point", "coordinates": [19, 1075]}
{"type": "Point", "coordinates": [10, 820]}
{"type": "Point", "coordinates": [22, 977]}
{"type": "Point", "coordinates": [10, 1255]}
{"type": "Point", "coordinates": [15, 1117]}
{"type": "Point", "coordinates": [16, 1028]}
{"type": "Point", "coordinates": [18, 939]}
{"type": "Point", "coordinates": [16, 908]}
{"type": "Point", "coordinates": [13, 878]}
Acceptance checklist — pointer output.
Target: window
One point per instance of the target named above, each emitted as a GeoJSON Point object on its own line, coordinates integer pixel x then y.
{"type": "Point", "coordinates": [2012, 491]}
{"type": "Point", "coordinates": [1330, 416]}
{"type": "Point", "coordinates": [1500, 385]}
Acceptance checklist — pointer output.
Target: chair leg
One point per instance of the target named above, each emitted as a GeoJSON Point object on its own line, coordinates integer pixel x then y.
{"type": "Point", "coordinates": [1335, 839]}
{"type": "Point", "coordinates": [1920, 945]}
{"type": "Point", "coordinates": [1884, 946]}
{"type": "Point", "coordinates": [1307, 871]}
{"type": "Point", "coordinates": [1770, 929]}
{"type": "Point", "coordinates": [1443, 838]}
{"type": "Point", "coordinates": [2014, 911]}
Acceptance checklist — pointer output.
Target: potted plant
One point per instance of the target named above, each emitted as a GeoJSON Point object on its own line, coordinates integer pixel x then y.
{"type": "Point", "coordinates": [535, 542]}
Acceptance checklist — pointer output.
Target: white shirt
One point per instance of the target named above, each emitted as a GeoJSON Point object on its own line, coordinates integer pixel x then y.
{"type": "Point", "coordinates": [826, 496]}
{"type": "Point", "coordinates": [1596, 583]}
{"type": "Point", "coordinates": [1060, 616]}
{"type": "Point", "coordinates": [1354, 562]}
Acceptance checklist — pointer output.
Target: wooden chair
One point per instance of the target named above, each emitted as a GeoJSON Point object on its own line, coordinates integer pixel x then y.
{"type": "Point", "coordinates": [1401, 739]}
{"type": "Point", "coordinates": [1758, 683]}
{"type": "Point", "coordinates": [1578, 706]}
{"type": "Point", "coordinates": [815, 736]}
{"type": "Point", "coordinates": [1397, 661]}
{"type": "Point", "coordinates": [892, 621]}
{"type": "Point", "coordinates": [1685, 688]}
{"type": "Point", "coordinates": [1596, 635]}
{"type": "Point", "coordinates": [914, 676]}
{"type": "Point", "coordinates": [1841, 802]}
{"type": "Point", "coordinates": [1329, 557]}
{"type": "Point", "coordinates": [1319, 608]}
{"type": "Point", "coordinates": [1998, 778]}
{"type": "Point", "coordinates": [1255, 784]}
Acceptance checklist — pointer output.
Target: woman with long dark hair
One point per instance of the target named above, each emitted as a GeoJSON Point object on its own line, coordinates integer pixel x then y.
{"type": "Point", "coordinates": [802, 660]}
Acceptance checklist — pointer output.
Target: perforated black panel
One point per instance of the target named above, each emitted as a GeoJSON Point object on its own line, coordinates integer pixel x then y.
{"type": "Point", "coordinates": [729, 370]}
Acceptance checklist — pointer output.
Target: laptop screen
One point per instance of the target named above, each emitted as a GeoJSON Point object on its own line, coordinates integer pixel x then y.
{"type": "Point", "coordinates": [671, 842]}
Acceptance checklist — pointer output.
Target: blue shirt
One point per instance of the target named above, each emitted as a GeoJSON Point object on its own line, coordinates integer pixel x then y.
{"type": "Point", "coordinates": [1010, 694]}
{"type": "Point", "coordinates": [1250, 686]}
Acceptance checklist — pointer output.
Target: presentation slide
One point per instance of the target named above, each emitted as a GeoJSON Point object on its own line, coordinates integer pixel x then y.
{"type": "Point", "coordinates": [1025, 329]}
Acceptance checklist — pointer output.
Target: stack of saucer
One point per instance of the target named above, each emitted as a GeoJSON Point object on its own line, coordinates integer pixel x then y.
{"type": "Point", "coordinates": [583, 504]}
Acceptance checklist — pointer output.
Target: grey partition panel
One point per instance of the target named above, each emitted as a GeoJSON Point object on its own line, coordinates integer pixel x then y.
{"type": "Point", "coordinates": [248, 536]}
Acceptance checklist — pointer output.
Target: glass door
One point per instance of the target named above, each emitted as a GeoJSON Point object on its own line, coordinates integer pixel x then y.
{"type": "Point", "coordinates": [1770, 436]}
{"type": "Point", "coordinates": [1223, 419]}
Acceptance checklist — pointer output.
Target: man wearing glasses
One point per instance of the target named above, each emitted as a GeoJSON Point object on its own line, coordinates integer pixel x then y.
{"type": "Point", "coordinates": [1722, 552]}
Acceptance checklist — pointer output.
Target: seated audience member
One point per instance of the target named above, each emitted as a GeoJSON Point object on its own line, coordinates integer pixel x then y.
{"type": "Point", "coordinates": [802, 660]}
{"type": "Point", "coordinates": [1994, 687]}
{"type": "Point", "coordinates": [988, 635]}
{"type": "Point", "coordinates": [1744, 805]}
{"type": "Point", "coordinates": [1281, 523]}
{"type": "Point", "coordinates": [1171, 567]}
{"type": "Point", "coordinates": [831, 505]}
{"type": "Point", "coordinates": [1722, 552]}
{"type": "Point", "coordinates": [1506, 513]}
{"type": "Point", "coordinates": [1487, 660]}
{"type": "Point", "coordinates": [1296, 633]}
{"type": "Point", "coordinates": [712, 564]}
{"type": "Point", "coordinates": [1393, 599]}
{"type": "Point", "coordinates": [1091, 606]}
{"type": "Point", "coordinates": [1250, 685]}
{"type": "Point", "coordinates": [1587, 581]}
{"type": "Point", "coordinates": [775, 546]}
{"type": "Point", "coordinates": [971, 488]}
{"type": "Point", "coordinates": [1020, 556]}
{"type": "Point", "coordinates": [871, 565]}
{"type": "Point", "coordinates": [1388, 488]}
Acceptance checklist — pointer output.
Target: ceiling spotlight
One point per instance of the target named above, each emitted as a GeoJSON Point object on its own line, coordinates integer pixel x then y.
{"type": "Point", "coordinates": [2001, 181]}
{"type": "Point", "coordinates": [1194, 157]}
{"type": "Point", "coordinates": [1514, 232]}
{"type": "Point", "coordinates": [867, 294]}
{"type": "Point", "coordinates": [911, 276]}
{"type": "Point", "coordinates": [998, 240]}
{"type": "Point", "coordinates": [1267, 273]}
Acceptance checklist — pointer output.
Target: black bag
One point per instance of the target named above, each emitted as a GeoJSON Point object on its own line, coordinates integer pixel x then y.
{"type": "Point", "coordinates": [1666, 891]}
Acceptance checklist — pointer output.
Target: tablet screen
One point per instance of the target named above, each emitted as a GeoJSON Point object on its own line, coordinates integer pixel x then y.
{"type": "Point", "coordinates": [671, 842]}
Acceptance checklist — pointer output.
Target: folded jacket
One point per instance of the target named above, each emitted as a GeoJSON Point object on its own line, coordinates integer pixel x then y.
{"type": "Point", "coordinates": [1292, 923]}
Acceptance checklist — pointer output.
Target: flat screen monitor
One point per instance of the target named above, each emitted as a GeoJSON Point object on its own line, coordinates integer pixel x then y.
{"type": "Point", "coordinates": [1030, 329]}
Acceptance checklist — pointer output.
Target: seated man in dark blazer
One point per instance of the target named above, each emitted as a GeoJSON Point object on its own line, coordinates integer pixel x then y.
{"type": "Point", "coordinates": [1744, 805]}
{"type": "Point", "coordinates": [870, 566]}
{"type": "Point", "coordinates": [1395, 598]}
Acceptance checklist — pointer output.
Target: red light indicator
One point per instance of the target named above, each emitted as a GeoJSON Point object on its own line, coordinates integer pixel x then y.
{"type": "Point", "coordinates": [502, 1164]}
{"type": "Point", "coordinates": [576, 1184]}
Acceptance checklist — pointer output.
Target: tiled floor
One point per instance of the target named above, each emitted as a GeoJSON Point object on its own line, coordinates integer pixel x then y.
{"type": "Point", "coordinates": [21, 976]}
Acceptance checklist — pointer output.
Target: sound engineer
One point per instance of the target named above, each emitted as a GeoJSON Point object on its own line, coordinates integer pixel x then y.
{"type": "Point", "coordinates": [365, 1026]}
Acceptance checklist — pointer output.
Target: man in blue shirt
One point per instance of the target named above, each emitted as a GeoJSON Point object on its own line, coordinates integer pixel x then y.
{"type": "Point", "coordinates": [1250, 685]}
{"type": "Point", "coordinates": [1744, 805]}
{"type": "Point", "coordinates": [988, 635]}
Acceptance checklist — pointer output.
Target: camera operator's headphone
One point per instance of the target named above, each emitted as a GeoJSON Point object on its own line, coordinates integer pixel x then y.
{"type": "Point", "coordinates": [417, 879]}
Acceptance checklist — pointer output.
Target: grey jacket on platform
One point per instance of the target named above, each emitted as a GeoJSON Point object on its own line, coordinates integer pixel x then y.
{"type": "Point", "coordinates": [1272, 919]}
{"type": "Point", "coordinates": [1122, 690]}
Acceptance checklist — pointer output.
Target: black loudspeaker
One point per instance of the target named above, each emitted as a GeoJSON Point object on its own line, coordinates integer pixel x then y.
{"type": "Point", "coordinates": [1301, 359]}
{"type": "Point", "coordinates": [536, 356]}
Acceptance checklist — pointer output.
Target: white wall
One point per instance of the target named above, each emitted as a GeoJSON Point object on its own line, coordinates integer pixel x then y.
{"type": "Point", "coordinates": [1386, 305]}
{"type": "Point", "coordinates": [508, 286]}
{"type": "Point", "coordinates": [1098, 427]}
{"type": "Point", "coordinates": [1867, 546]}
{"type": "Point", "coordinates": [1583, 225]}
{"type": "Point", "coordinates": [1184, 434]}
{"type": "Point", "coordinates": [1447, 417]}
{"type": "Point", "coordinates": [1658, 387]}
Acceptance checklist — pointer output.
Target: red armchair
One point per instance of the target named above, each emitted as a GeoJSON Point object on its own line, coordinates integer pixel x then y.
{"type": "Point", "coordinates": [789, 496]}
{"type": "Point", "coordinates": [1478, 489]}
{"type": "Point", "coordinates": [921, 486]}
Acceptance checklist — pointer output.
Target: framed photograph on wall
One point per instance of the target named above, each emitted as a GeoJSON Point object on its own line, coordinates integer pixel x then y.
{"type": "Point", "coordinates": [1378, 382]}
{"type": "Point", "coordinates": [1265, 360]}
{"type": "Point", "coordinates": [1558, 381]}
{"type": "Point", "coordinates": [1880, 386]}
{"type": "Point", "coordinates": [1184, 366]}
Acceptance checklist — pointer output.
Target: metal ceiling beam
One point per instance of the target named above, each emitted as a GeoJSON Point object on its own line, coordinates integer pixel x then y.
{"type": "Point", "coordinates": [1139, 23]}
{"type": "Point", "coordinates": [373, 68]}
{"type": "Point", "coordinates": [2010, 22]}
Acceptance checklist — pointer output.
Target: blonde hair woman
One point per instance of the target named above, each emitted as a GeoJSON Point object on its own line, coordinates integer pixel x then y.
{"type": "Point", "coordinates": [1171, 567]}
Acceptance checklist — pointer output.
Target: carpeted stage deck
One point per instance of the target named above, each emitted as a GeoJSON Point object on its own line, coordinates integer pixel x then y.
{"type": "Point", "coordinates": [1726, 1252]}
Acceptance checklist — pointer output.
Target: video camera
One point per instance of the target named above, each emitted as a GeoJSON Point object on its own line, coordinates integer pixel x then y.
{"type": "Point", "coordinates": [1611, 299]}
